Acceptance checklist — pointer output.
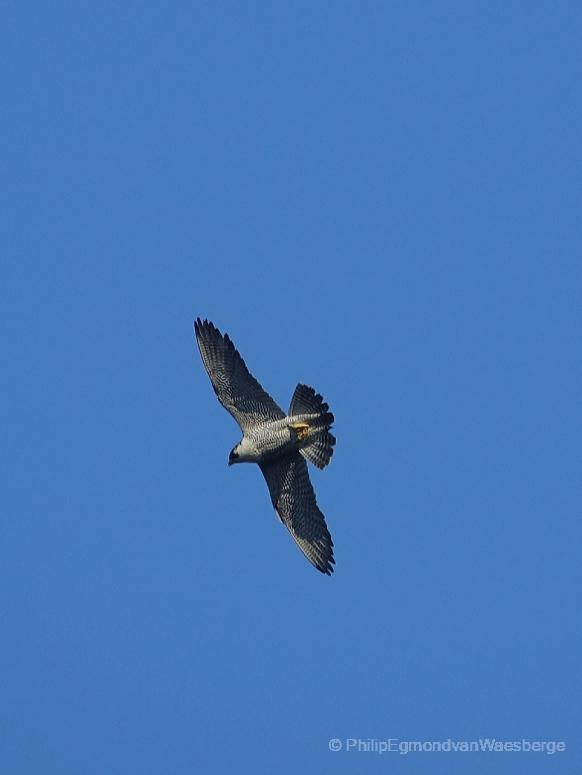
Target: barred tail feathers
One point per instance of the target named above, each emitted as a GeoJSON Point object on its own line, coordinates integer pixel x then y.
{"type": "Point", "coordinates": [306, 401]}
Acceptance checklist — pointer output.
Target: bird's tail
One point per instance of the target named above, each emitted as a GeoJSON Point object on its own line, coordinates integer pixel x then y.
{"type": "Point", "coordinates": [313, 424]}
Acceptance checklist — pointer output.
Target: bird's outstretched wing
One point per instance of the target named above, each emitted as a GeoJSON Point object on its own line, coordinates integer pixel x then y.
{"type": "Point", "coordinates": [236, 388]}
{"type": "Point", "coordinates": [294, 500]}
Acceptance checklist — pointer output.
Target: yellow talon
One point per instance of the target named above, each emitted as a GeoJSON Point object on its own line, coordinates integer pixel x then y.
{"type": "Point", "coordinates": [302, 429]}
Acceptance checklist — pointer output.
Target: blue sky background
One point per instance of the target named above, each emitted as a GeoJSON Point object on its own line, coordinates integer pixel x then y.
{"type": "Point", "coordinates": [383, 200]}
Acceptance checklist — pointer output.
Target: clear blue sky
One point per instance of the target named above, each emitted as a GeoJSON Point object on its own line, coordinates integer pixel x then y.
{"type": "Point", "coordinates": [382, 200]}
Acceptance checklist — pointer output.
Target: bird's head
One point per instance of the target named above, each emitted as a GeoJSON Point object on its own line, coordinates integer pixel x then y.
{"type": "Point", "coordinates": [234, 456]}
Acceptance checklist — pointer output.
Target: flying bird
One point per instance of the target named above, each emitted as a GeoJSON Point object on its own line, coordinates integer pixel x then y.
{"type": "Point", "coordinates": [280, 443]}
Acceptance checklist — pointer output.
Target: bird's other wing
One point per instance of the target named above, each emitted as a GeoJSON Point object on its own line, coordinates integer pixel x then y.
{"type": "Point", "coordinates": [236, 388]}
{"type": "Point", "coordinates": [294, 500]}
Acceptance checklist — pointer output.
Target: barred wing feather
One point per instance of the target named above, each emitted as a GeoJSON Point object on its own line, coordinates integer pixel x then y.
{"type": "Point", "coordinates": [235, 387]}
{"type": "Point", "coordinates": [294, 499]}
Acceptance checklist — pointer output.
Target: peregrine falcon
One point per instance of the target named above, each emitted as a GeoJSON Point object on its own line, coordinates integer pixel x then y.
{"type": "Point", "coordinates": [279, 443]}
